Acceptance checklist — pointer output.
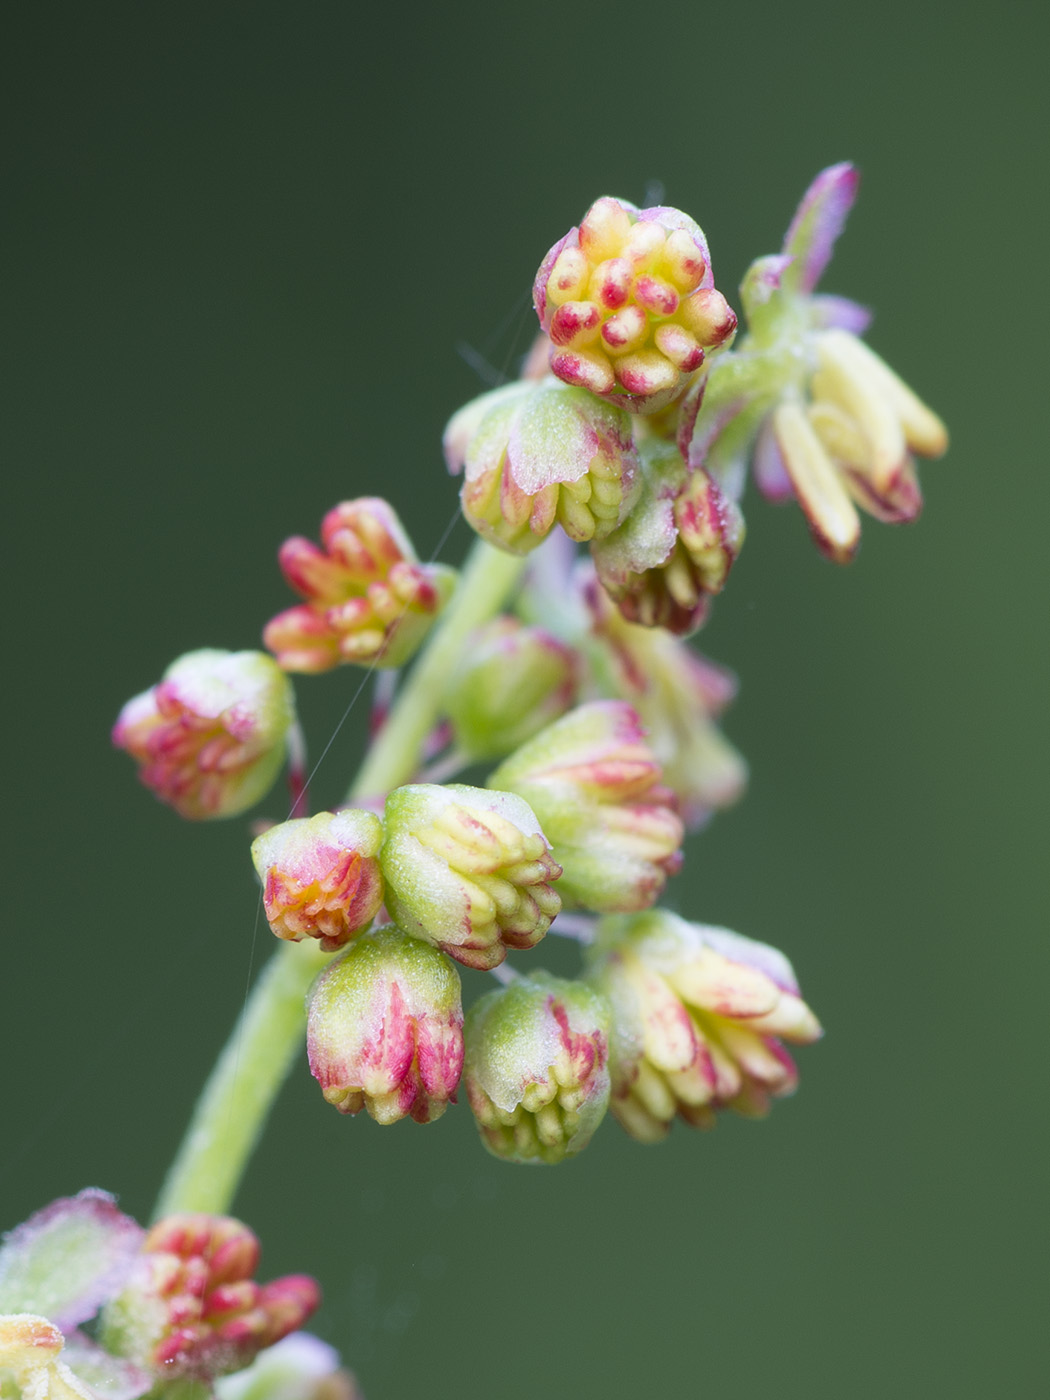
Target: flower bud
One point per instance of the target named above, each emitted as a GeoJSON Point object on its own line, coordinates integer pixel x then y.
{"type": "Point", "coordinates": [194, 1309]}
{"type": "Point", "coordinates": [209, 739]}
{"type": "Point", "coordinates": [536, 1067]}
{"type": "Point", "coordinates": [468, 870]}
{"type": "Point", "coordinates": [698, 1016]}
{"type": "Point", "coordinates": [301, 1367]}
{"type": "Point", "coordinates": [676, 547]}
{"type": "Point", "coordinates": [368, 600]}
{"type": "Point", "coordinates": [513, 680]}
{"type": "Point", "coordinates": [629, 303]}
{"type": "Point", "coordinates": [385, 1029]}
{"type": "Point", "coordinates": [678, 696]}
{"type": "Point", "coordinates": [595, 786]}
{"type": "Point", "coordinates": [539, 454]}
{"type": "Point", "coordinates": [320, 876]}
{"type": "Point", "coordinates": [30, 1350]}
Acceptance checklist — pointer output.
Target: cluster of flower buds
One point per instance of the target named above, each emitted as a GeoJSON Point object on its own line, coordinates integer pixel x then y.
{"type": "Point", "coordinates": [320, 876]}
{"type": "Point", "coordinates": [209, 739]}
{"type": "Point", "coordinates": [698, 1018]}
{"type": "Point", "coordinates": [678, 696]}
{"type": "Point", "coordinates": [541, 454]}
{"type": "Point", "coordinates": [368, 599]}
{"type": "Point", "coordinates": [829, 423]}
{"type": "Point", "coordinates": [514, 681]}
{"type": "Point", "coordinates": [676, 547]}
{"type": "Point", "coordinates": [193, 1308]}
{"type": "Point", "coordinates": [468, 870]}
{"type": "Point", "coordinates": [595, 786]}
{"type": "Point", "coordinates": [629, 303]}
{"type": "Point", "coordinates": [385, 1029]}
{"type": "Point", "coordinates": [536, 1070]}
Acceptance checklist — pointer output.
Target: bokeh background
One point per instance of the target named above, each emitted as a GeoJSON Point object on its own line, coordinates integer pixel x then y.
{"type": "Point", "coordinates": [242, 245]}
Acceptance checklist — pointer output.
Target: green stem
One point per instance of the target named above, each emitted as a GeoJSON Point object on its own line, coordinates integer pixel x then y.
{"type": "Point", "coordinates": [232, 1110]}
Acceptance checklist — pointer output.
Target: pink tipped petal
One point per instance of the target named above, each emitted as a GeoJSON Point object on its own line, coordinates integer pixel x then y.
{"type": "Point", "coordinates": [839, 313]}
{"type": "Point", "coordinates": [818, 221]}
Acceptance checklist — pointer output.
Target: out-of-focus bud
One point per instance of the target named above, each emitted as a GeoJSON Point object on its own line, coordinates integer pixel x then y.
{"type": "Point", "coordinates": [539, 454]}
{"type": "Point", "coordinates": [629, 303]}
{"type": "Point", "coordinates": [514, 679]}
{"type": "Point", "coordinates": [30, 1352]}
{"type": "Point", "coordinates": [698, 1017]}
{"type": "Point", "coordinates": [368, 599]}
{"type": "Point", "coordinates": [320, 876]}
{"type": "Point", "coordinates": [468, 870]}
{"type": "Point", "coordinates": [678, 695]}
{"type": "Point", "coordinates": [595, 785]}
{"type": "Point", "coordinates": [194, 1309]}
{"type": "Point", "coordinates": [828, 421]}
{"type": "Point", "coordinates": [385, 1029]}
{"type": "Point", "coordinates": [536, 1069]}
{"type": "Point", "coordinates": [676, 547]}
{"type": "Point", "coordinates": [301, 1367]}
{"type": "Point", "coordinates": [209, 739]}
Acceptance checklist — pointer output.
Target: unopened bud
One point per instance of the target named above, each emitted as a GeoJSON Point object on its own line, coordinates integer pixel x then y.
{"type": "Point", "coordinates": [194, 1309]}
{"type": "Point", "coordinates": [699, 1014]}
{"type": "Point", "coordinates": [368, 599]}
{"type": "Point", "coordinates": [539, 454]}
{"type": "Point", "coordinates": [468, 870]}
{"type": "Point", "coordinates": [301, 1367]}
{"type": "Point", "coordinates": [209, 738]}
{"type": "Point", "coordinates": [676, 547]}
{"type": "Point", "coordinates": [629, 303]}
{"type": "Point", "coordinates": [678, 695]}
{"type": "Point", "coordinates": [320, 876]}
{"type": "Point", "coordinates": [385, 1029]}
{"type": "Point", "coordinates": [596, 787]}
{"type": "Point", "coordinates": [514, 679]}
{"type": "Point", "coordinates": [536, 1067]}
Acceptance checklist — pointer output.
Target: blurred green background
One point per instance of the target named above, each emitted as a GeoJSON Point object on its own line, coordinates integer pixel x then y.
{"type": "Point", "coordinates": [243, 242]}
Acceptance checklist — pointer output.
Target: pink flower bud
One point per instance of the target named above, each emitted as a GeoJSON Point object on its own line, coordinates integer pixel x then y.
{"type": "Point", "coordinates": [513, 680]}
{"type": "Point", "coordinates": [539, 454]}
{"type": "Point", "coordinates": [595, 785]}
{"type": "Point", "coordinates": [699, 1015]}
{"type": "Point", "coordinates": [320, 876]}
{"type": "Point", "coordinates": [537, 1067]}
{"type": "Point", "coordinates": [209, 739]}
{"type": "Point", "coordinates": [468, 870]}
{"type": "Point", "coordinates": [628, 301]}
{"type": "Point", "coordinates": [194, 1309]}
{"type": "Point", "coordinates": [385, 1029]}
{"type": "Point", "coordinates": [678, 695]}
{"type": "Point", "coordinates": [675, 549]}
{"type": "Point", "coordinates": [369, 601]}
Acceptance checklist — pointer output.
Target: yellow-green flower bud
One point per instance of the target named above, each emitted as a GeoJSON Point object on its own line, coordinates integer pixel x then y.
{"type": "Point", "coordinates": [698, 1018]}
{"type": "Point", "coordinates": [595, 785]}
{"type": "Point", "coordinates": [468, 870]}
{"type": "Point", "coordinates": [536, 1067]}
{"type": "Point", "coordinates": [539, 454]}
{"type": "Point", "coordinates": [514, 679]}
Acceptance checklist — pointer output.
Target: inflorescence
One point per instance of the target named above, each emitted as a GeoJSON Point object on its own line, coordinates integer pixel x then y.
{"type": "Point", "coordinates": [614, 468]}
